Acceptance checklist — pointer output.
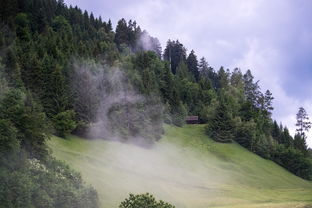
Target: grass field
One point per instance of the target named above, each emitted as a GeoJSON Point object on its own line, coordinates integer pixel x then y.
{"type": "Point", "coordinates": [185, 168]}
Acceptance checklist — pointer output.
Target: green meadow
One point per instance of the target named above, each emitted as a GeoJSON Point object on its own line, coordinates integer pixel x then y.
{"type": "Point", "coordinates": [186, 169]}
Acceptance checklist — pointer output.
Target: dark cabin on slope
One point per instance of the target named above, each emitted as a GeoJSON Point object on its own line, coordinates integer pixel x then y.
{"type": "Point", "coordinates": [192, 120]}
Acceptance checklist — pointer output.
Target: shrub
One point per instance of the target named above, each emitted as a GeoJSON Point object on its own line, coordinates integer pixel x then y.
{"type": "Point", "coordinates": [64, 122]}
{"type": "Point", "coordinates": [144, 201]}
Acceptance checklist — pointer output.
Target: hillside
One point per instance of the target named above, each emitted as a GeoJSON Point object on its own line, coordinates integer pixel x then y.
{"type": "Point", "coordinates": [186, 169]}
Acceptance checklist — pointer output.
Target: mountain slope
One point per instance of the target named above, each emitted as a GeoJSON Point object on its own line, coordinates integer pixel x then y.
{"type": "Point", "coordinates": [186, 169]}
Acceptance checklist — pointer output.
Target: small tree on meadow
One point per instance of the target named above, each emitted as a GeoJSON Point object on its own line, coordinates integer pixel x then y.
{"type": "Point", "coordinates": [144, 201]}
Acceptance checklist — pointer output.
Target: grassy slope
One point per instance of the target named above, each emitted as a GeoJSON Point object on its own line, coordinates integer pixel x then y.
{"type": "Point", "coordinates": [185, 168]}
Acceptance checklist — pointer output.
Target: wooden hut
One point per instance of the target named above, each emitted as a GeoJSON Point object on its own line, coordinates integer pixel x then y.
{"type": "Point", "coordinates": [192, 120]}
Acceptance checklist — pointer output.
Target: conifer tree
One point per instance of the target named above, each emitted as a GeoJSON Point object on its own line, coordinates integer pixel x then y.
{"type": "Point", "coordinates": [268, 107]}
{"type": "Point", "coordinates": [221, 126]}
{"type": "Point", "coordinates": [174, 53]}
{"type": "Point", "coordinates": [303, 125]}
{"type": "Point", "coordinates": [192, 65]}
{"type": "Point", "coordinates": [303, 122]}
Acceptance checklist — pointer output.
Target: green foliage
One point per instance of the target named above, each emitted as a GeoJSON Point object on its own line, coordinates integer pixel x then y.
{"type": "Point", "coordinates": [143, 201]}
{"type": "Point", "coordinates": [127, 36]}
{"type": "Point", "coordinates": [29, 176]}
{"type": "Point", "coordinates": [245, 132]}
{"type": "Point", "coordinates": [27, 117]}
{"type": "Point", "coordinates": [8, 137]}
{"type": "Point", "coordinates": [221, 127]}
{"type": "Point", "coordinates": [12, 69]}
{"type": "Point", "coordinates": [22, 27]}
{"type": "Point", "coordinates": [64, 122]}
{"type": "Point", "coordinates": [50, 183]}
{"type": "Point", "coordinates": [208, 111]}
{"type": "Point", "coordinates": [300, 144]}
{"type": "Point", "coordinates": [198, 166]}
{"type": "Point", "coordinates": [178, 114]}
{"type": "Point", "coordinates": [192, 65]}
{"type": "Point", "coordinates": [141, 121]}
{"type": "Point", "coordinates": [183, 73]}
{"type": "Point", "coordinates": [175, 53]}
{"type": "Point", "coordinates": [41, 38]}
{"type": "Point", "coordinates": [293, 160]}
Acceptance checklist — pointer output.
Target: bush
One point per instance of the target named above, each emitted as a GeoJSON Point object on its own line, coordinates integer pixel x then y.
{"type": "Point", "coordinates": [64, 122]}
{"type": "Point", "coordinates": [144, 201]}
{"type": "Point", "coordinates": [50, 184]}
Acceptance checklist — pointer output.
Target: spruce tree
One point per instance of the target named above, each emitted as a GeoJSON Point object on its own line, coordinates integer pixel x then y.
{"type": "Point", "coordinates": [192, 65]}
{"type": "Point", "coordinates": [174, 53]}
{"type": "Point", "coordinates": [303, 125]}
{"type": "Point", "coordinates": [221, 127]}
{"type": "Point", "coordinates": [300, 143]}
{"type": "Point", "coordinates": [303, 122]}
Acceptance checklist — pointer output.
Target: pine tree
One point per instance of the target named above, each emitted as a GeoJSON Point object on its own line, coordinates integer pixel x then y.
{"type": "Point", "coordinates": [300, 143]}
{"type": "Point", "coordinates": [236, 79]}
{"type": "Point", "coordinates": [121, 36]}
{"type": "Point", "coordinates": [303, 125]}
{"type": "Point", "coordinates": [268, 107]}
{"type": "Point", "coordinates": [174, 53]}
{"type": "Point", "coordinates": [223, 78]}
{"type": "Point", "coordinates": [221, 127]}
{"type": "Point", "coordinates": [109, 26]}
{"type": "Point", "coordinates": [303, 122]}
{"type": "Point", "coordinates": [275, 131]}
{"type": "Point", "coordinates": [285, 138]}
{"type": "Point", "coordinates": [203, 67]}
{"type": "Point", "coordinates": [192, 65]}
{"type": "Point", "coordinates": [251, 89]}
{"type": "Point", "coordinates": [208, 72]}
{"type": "Point", "coordinates": [12, 69]}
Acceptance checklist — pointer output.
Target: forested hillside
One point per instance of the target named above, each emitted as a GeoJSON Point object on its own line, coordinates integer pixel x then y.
{"type": "Point", "coordinates": [64, 71]}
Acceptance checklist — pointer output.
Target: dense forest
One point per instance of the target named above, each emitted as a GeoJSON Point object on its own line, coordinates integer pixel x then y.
{"type": "Point", "coordinates": [56, 67]}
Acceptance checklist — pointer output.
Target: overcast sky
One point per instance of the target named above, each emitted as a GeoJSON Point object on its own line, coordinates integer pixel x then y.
{"type": "Point", "coordinates": [273, 38]}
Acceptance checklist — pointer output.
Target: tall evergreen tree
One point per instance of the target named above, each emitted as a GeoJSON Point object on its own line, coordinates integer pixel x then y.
{"type": "Point", "coordinates": [122, 34]}
{"type": "Point", "coordinates": [109, 26]}
{"type": "Point", "coordinates": [236, 79]}
{"type": "Point", "coordinates": [223, 78]}
{"type": "Point", "coordinates": [276, 132]}
{"type": "Point", "coordinates": [252, 89]}
{"type": "Point", "coordinates": [303, 122]}
{"type": "Point", "coordinates": [300, 143]}
{"type": "Point", "coordinates": [203, 67]}
{"type": "Point", "coordinates": [13, 73]}
{"type": "Point", "coordinates": [303, 125]}
{"type": "Point", "coordinates": [268, 106]}
{"type": "Point", "coordinates": [174, 53]}
{"type": "Point", "coordinates": [192, 65]}
{"type": "Point", "coordinates": [221, 126]}
{"type": "Point", "coordinates": [285, 138]}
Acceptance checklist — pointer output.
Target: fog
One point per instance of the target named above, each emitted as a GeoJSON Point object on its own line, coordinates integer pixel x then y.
{"type": "Point", "coordinates": [105, 98]}
{"type": "Point", "coordinates": [180, 175]}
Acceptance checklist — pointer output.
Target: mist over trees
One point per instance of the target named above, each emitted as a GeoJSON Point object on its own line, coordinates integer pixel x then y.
{"type": "Point", "coordinates": [44, 91]}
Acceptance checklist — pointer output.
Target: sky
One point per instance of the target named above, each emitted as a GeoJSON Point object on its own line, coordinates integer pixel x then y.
{"type": "Point", "coordinates": [272, 38]}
